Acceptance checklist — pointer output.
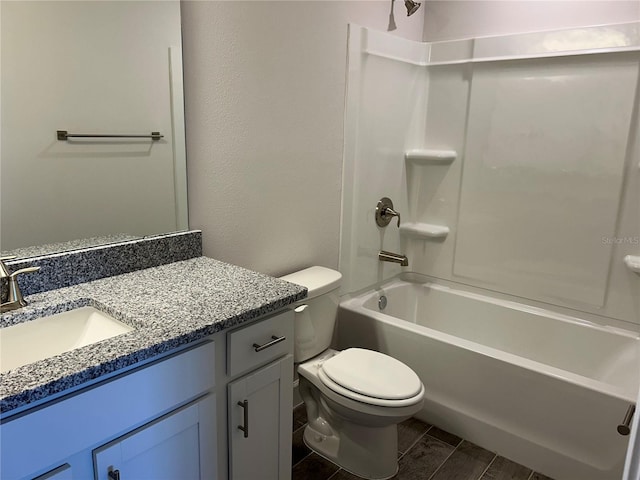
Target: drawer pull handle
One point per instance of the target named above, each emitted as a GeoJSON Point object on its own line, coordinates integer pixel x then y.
{"type": "Point", "coordinates": [113, 474]}
{"type": "Point", "coordinates": [274, 340]}
{"type": "Point", "coordinates": [245, 427]}
{"type": "Point", "coordinates": [625, 427]}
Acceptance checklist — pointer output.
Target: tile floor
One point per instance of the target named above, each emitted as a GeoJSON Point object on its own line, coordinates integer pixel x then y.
{"type": "Point", "coordinates": [425, 453]}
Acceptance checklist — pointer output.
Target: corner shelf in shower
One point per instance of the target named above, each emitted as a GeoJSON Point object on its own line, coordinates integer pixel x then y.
{"type": "Point", "coordinates": [424, 230]}
{"type": "Point", "coordinates": [633, 263]}
{"type": "Point", "coordinates": [430, 156]}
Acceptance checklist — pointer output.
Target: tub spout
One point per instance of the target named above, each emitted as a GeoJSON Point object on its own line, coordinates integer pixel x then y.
{"type": "Point", "coordinates": [384, 256]}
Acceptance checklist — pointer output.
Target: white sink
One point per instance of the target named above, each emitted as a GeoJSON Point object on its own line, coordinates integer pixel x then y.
{"type": "Point", "coordinates": [45, 337]}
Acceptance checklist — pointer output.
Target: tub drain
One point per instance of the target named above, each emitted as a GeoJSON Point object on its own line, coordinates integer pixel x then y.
{"type": "Point", "coordinates": [382, 302]}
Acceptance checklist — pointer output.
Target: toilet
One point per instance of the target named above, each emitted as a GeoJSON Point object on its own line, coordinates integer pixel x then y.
{"type": "Point", "coordinates": [354, 398]}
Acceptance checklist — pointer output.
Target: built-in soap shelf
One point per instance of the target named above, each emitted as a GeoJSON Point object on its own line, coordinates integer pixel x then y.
{"type": "Point", "coordinates": [633, 263]}
{"type": "Point", "coordinates": [424, 230]}
{"type": "Point", "coordinates": [427, 156]}
{"type": "Point", "coordinates": [430, 156]}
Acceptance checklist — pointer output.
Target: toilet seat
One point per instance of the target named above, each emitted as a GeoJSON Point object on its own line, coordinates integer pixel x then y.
{"type": "Point", "coordinates": [371, 377]}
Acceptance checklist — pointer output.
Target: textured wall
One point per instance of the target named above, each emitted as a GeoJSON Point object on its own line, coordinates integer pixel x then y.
{"type": "Point", "coordinates": [264, 93]}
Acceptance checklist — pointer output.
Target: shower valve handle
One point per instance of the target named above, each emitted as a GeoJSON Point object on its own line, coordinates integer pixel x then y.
{"type": "Point", "coordinates": [385, 212]}
{"type": "Point", "coordinates": [390, 212]}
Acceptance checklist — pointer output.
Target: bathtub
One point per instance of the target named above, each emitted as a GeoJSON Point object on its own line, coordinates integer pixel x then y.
{"type": "Point", "coordinates": [544, 389]}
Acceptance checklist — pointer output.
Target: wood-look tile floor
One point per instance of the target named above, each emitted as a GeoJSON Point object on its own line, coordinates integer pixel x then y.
{"type": "Point", "coordinates": [425, 453]}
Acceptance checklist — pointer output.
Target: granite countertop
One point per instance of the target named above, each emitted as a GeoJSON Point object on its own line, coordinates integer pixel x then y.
{"type": "Point", "coordinates": [168, 306]}
{"type": "Point", "coordinates": [37, 250]}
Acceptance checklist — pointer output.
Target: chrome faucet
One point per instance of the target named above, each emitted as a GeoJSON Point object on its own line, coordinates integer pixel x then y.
{"type": "Point", "coordinates": [385, 256]}
{"type": "Point", "coordinates": [14, 298]}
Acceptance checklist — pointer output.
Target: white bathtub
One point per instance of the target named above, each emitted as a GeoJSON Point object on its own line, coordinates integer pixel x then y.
{"type": "Point", "coordinates": [543, 389]}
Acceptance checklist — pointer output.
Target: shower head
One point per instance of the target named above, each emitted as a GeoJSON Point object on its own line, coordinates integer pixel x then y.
{"type": "Point", "coordinates": [412, 7]}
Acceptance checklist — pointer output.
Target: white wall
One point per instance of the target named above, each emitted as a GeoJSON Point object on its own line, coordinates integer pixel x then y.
{"type": "Point", "coordinates": [264, 92]}
{"type": "Point", "coordinates": [456, 19]}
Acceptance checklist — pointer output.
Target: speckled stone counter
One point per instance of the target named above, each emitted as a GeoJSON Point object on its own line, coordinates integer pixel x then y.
{"type": "Point", "coordinates": [81, 243]}
{"type": "Point", "coordinates": [168, 306]}
{"type": "Point", "coordinates": [64, 269]}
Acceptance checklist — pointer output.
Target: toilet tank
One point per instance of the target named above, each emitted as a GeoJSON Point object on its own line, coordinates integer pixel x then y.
{"type": "Point", "coordinates": [315, 316]}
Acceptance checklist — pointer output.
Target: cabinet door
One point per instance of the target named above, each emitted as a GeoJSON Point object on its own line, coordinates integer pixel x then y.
{"type": "Point", "coordinates": [177, 445]}
{"type": "Point", "coordinates": [260, 406]}
{"type": "Point", "coordinates": [48, 436]}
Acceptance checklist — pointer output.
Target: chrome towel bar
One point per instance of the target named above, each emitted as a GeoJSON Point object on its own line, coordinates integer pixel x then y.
{"type": "Point", "coordinates": [64, 135]}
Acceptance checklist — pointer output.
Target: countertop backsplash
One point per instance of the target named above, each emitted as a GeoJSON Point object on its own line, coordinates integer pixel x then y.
{"type": "Point", "coordinates": [64, 269]}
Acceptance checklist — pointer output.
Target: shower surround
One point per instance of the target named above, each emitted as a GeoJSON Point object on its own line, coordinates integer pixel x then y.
{"type": "Point", "coordinates": [515, 164]}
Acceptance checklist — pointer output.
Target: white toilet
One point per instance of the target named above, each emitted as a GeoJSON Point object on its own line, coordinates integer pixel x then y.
{"type": "Point", "coordinates": [354, 398]}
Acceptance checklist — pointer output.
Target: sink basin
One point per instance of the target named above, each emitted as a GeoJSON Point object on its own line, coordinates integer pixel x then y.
{"type": "Point", "coordinates": [45, 337]}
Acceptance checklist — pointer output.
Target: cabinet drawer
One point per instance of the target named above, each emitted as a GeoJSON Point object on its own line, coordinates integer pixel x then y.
{"type": "Point", "coordinates": [255, 344]}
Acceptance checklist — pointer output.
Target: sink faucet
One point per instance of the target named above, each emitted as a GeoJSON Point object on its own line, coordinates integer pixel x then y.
{"type": "Point", "coordinates": [14, 298]}
{"type": "Point", "coordinates": [384, 256]}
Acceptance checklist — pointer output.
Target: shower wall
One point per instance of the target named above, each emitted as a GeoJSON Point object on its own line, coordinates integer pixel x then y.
{"type": "Point", "coordinates": [513, 160]}
{"type": "Point", "coordinates": [446, 20]}
{"type": "Point", "coordinates": [386, 92]}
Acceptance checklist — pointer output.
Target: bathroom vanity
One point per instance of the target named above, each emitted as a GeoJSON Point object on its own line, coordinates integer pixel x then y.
{"type": "Point", "coordinates": [154, 419]}
{"type": "Point", "coordinates": [201, 388]}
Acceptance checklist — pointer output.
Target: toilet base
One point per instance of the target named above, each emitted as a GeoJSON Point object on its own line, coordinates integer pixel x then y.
{"type": "Point", "coordinates": [361, 438]}
{"type": "Point", "coordinates": [368, 452]}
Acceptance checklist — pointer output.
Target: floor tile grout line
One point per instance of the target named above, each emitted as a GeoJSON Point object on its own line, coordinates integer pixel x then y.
{"type": "Point", "coordinates": [334, 474]}
{"type": "Point", "coordinates": [445, 460]}
{"type": "Point", "coordinates": [414, 443]}
{"type": "Point", "coordinates": [447, 443]}
{"type": "Point", "coordinates": [301, 460]}
{"type": "Point", "coordinates": [495, 455]}
{"type": "Point", "coordinates": [310, 451]}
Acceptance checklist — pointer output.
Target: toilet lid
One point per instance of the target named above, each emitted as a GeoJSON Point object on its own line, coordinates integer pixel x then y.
{"type": "Point", "coordinates": [372, 374]}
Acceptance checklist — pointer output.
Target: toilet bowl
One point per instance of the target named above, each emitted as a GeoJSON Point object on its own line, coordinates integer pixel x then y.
{"type": "Point", "coordinates": [356, 430]}
{"type": "Point", "coordinates": [354, 398]}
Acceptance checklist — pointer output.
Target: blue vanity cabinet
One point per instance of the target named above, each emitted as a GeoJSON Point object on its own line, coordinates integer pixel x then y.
{"type": "Point", "coordinates": [123, 425]}
{"type": "Point", "coordinates": [168, 448]}
{"type": "Point", "coordinates": [260, 396]}
{"type": "Point", "coordinates": [260, 423]}
{"type": "Point", "coordinates": [175, 417]}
